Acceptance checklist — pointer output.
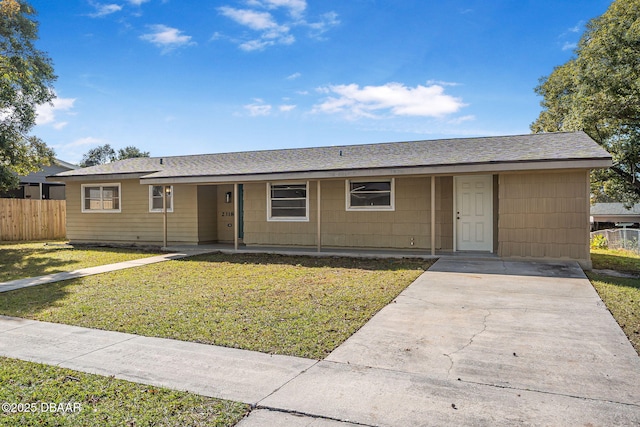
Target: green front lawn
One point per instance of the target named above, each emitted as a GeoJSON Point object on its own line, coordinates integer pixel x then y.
{"type": "Point", "coordinates": [22, 260]}
{"type": "Point", "coordinates": [301, 306]}
{"type": "Point", "coordinates": [33, 394]}
{"type": "Point", "coordinates": [620, 295]}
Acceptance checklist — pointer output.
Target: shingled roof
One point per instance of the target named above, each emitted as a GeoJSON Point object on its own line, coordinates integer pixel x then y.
{"type": "Point", "coordinates": [544, 147]}
{"type": "Point", "coordinates": [615, 209]}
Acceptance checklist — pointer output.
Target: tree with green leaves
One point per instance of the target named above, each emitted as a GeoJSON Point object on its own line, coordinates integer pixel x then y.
{"type": "Point", "coordinates": [131, 152]}
{"type": "Point", "coordinates": [26, 79]}
{"type": "Point", "coordinates": [105, 154]}
{"type": "Point", "coordinates": [98, 156]}
{"type": "Point", "coordinates": [598, 91]}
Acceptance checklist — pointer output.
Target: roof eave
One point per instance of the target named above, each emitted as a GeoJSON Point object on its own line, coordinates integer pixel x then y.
{"type": "Point", "coordinates": [593, 163]}
{"type": "Point", "coordinates": [97, 177]}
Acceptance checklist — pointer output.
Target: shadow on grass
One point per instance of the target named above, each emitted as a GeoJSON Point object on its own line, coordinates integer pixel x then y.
{"type": "Point", "coordinates": [20, 263]}
{"type": "Point", "coordinates": [27, 302]}
{"type": "Point", "coordinates": [622, 282]}
{"type": "Point", "coordinates": [370, 264]}
{"type": "Point", "coordinates": [623, 261]}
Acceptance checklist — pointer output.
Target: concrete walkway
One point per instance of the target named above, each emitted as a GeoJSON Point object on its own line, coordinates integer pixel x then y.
{"type": "Point", "coordinates": [468, 343]}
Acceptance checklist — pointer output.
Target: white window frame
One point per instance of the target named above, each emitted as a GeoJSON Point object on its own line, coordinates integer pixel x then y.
{"type": "Point", "coordinates": [155, 210]}
{"type": "Point", "coordinates": [288, 218]}
{"type": "Point", "coordinates": [101, 186]}
{"type": "Point", "coordinates": [392, 195]}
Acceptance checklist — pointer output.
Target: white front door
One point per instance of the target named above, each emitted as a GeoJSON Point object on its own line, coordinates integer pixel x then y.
{"type": "Point", "coordinates": [474, 212]}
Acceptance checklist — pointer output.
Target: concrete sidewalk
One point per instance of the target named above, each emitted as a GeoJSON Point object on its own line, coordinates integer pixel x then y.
{"type": "Point", "coordinates": [89, 271]}
{"type": "Point", "coordinates": [468, 343]}
{"type": "Point", "coordinates": [240, 375]}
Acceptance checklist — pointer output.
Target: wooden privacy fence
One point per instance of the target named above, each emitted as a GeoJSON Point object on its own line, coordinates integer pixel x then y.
{"type": "Point", "coordinates": [24, 219]}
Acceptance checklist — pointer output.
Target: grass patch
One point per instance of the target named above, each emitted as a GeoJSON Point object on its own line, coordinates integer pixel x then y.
{"type": "Point", "coordinates": [300, 306]}
{"type": "Point", "coordinates": [94, 400]}
{"type": "Point", "coordinates": [22, 260]}
{"type": "Point", "coordinates": [616, 259]}
{"type": "Point", "coordinates": [620, 295]}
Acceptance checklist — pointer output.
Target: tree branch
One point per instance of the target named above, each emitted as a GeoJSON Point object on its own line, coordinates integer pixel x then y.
{"type": "Point", "coordinates": [628, 178]}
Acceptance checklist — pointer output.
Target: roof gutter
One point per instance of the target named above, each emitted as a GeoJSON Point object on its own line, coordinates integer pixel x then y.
{"type": "Point", "coordinates": [97, 177]}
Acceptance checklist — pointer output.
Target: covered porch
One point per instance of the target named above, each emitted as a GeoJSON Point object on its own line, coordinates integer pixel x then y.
{"type": "Point", "coordinates": [431, 215]}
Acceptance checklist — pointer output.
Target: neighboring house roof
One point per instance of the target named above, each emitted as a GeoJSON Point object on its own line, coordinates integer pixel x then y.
{"type": "Point", "coordinates": [564, 150]}
{"type": "Point", "coordinates": [40, 176]}
{"type": "Point", "coordinates": [614, 212]}
{"type": "Point", "coordinates": [614, 209]}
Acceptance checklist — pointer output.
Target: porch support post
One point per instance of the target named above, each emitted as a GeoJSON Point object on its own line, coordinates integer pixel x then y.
{"type": "Point", "coordinates": [319, 230]}
{"type": "Point", "coordinates": [235, 216]}
{"type": "Point", "coordinates": [164, 216]}
{"type": "Point", "coordinates": [433, 215]}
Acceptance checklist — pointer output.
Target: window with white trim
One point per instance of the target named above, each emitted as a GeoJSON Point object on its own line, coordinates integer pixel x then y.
{"type": "Point", "coordinates": [156, 198]}
{"type": "Point", "coordinates": [375, 195]}
{"type": "Point", "coordinates": [101, 198]}
{"type": "Point", "coordinates": [288, 202]}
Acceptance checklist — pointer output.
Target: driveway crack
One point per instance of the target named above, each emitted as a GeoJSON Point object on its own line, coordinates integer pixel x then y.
{"type": "Point", "coordinates": [310, 415]}
{"type": "Point", "coordinates": [473, 337]}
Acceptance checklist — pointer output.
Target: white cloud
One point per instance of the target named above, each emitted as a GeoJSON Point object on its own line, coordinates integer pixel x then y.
{"type": "Point", "coordinates": [255, 45]}
{"type": "Point", "coordinates": [576, 28]}
{"type": "Point", "coordinates": [46, 113]}
{"type": "Point", "coordinates": [258, 108]}
{"type": "Point", "coordinates": [569, 34]}
{"type": "Point", "coordinates": [250, 18]}
{"type": "Point", "coordinates": [295, 8]}
{"type": "Point", "coordinates": [271, 28]}
{"type": "Point", "coordinates": [286, 108]}
{"type": "Point", "coordinates": [72, 152]}
{"type": "Point", "coordinates": [271, 32]}
{"type": "Point", "coordinates": [104, 9]}
{"type": "Point", "coordinates": [394, 98]}
{"type": "Point", "coordinates": [325, 23]}
{"type": "Point", "coordinates": [82, 142]}
{"type": "Point", "coordinates": [441, 83]}
{"type": "Point", "coordinates": [294, 76]}
{"type": "Point", "coordinates": [462, 119]}
{"type": "Point", "coordinates": [60, 125]}
{"type": "Point", "coordinates": [137, 2]}
{"type": "Point", "coordinates": [167, 38]}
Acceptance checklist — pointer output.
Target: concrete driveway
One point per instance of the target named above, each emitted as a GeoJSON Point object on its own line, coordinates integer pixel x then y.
{"type": "Point", "coordinates": [474, 343]}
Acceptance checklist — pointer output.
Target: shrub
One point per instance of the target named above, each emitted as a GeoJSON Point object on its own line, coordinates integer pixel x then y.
{"type": "Point", "coordinates": [599, 241]}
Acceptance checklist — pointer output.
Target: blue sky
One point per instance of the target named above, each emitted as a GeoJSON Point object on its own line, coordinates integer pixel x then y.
{"type": "Point", "coordinates": [184, 77]}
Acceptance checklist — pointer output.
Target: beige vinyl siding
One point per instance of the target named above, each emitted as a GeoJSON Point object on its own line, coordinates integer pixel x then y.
{"type": "Point", "coordinates": [409, 222]}
{"type": "Point", "coordinates": [259, 231]}
{"type": "Point", "coordinates": [134, 224]}
{"type": "Point", "coordinates": [544, 215]}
